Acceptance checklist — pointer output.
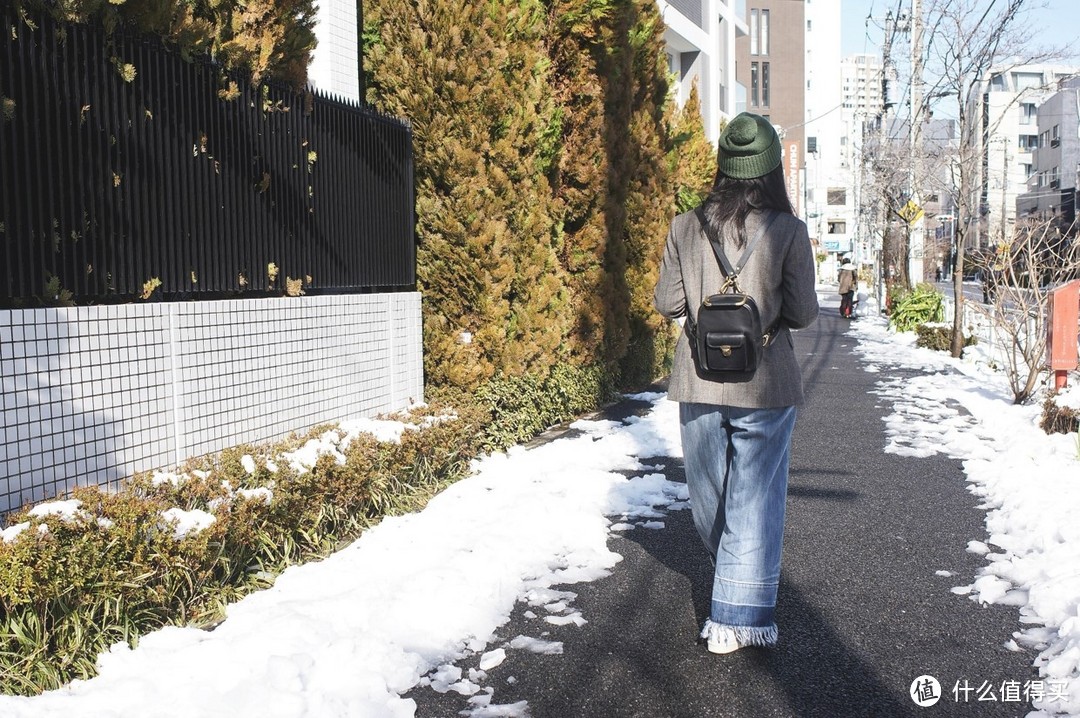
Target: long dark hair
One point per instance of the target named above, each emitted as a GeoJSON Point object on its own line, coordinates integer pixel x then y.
{"type": "Point", "coordinates": [731, 200]}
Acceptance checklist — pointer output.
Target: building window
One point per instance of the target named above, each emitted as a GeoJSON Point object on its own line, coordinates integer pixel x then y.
{"type": "Point", "coordinates": [1028, 143]}
{"type": "Point", "coordinates": [997, 81]}
{"type": "Point", "coordinates": [765, 85]}
{"type": "Point", "coordinates": [1027, 81]}
{"type": "Point", "coordinates": [837, 226]}
{"type": "Point", "coordinates": [754, 32]}
{"type": "Point", "coordinates": [837, 196]}
{"type": "Point", "coordinates": [753, 84]}
{"type": "Point", "coordinates": [1055, 136]}
{"type": "Point", "coordinates": [764, 45]}
{"type": "Point", "coordinates": [1027, 113]}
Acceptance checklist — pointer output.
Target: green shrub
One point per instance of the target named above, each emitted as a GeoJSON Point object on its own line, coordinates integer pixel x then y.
{"type": "Point", "coordinates": [523, 406]}
{"type": "Point", "coordinates": [939, 337]}
{"type": "Point", "coordinates": [921, 305]}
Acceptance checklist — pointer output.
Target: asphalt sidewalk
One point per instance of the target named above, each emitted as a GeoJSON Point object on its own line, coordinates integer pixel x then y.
{"type": "Point", "coordinates": [862, 612]}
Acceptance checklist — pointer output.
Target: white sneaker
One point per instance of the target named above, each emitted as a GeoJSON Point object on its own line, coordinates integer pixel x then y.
{"type": "Point", "coordinates": [722, 640]}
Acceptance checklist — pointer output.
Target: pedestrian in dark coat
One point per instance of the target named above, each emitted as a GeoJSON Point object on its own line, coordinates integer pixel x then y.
{"type": "Point", "coordinates": [848, 284]}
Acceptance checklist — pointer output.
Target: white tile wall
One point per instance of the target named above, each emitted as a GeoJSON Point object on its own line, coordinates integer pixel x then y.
{"type": "Point", "coordinates": [92, 395]}
{"type": "Point", "coordinates": [334, 65]}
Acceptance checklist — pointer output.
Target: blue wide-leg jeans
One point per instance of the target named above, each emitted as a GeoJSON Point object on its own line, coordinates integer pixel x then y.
{"type": "Point", "coordinates": [737, 470]}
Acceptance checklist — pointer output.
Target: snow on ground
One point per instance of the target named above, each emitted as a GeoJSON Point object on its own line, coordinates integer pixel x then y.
{"type": "Point", "coordinates": [413, 596]}
{"type": "Point", "coordinates": [1029, 484]}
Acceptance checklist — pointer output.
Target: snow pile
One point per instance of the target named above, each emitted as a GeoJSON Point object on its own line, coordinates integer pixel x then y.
{"type": "Point", "coordinates": [1029, 483]}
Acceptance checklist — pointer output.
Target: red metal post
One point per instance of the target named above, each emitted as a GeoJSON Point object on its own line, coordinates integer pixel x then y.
{"type": "Point", "coordinates": [1061, 331]}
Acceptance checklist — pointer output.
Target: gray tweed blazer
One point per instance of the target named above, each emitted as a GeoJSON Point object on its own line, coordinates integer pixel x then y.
{"type": "Point", "coordinates": [779, 275]}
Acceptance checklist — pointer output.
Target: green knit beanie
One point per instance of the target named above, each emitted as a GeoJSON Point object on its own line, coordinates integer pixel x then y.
{"type": "Point", "coordinates": [748, 147]}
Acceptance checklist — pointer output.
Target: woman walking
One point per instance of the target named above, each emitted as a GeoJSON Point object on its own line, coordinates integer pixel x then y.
{"type": "Point", "coordinates": [736, 433]}
{"type": "Point", "coordinates": [848, 284]}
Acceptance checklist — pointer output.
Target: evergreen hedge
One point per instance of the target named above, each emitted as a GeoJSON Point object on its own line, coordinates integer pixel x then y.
{"type": "Point", "coordinates": [548, 163]}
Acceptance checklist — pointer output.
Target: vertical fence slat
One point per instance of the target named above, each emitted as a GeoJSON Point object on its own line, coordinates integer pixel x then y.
{"type": "Point", "coordinates": [142, 130]}
{"type": "Point", "coordinates": [8, 132]}
{"type": "Point", "coordinates": [233, 173]}
{"type": "Point", "coordinates": [26, 92]}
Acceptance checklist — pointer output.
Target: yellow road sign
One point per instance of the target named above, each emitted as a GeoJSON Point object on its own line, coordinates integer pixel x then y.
{"type": "Point", "coordinates": [911, 212]}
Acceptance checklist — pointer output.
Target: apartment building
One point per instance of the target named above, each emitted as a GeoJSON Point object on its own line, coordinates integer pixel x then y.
{"type": "Point", "coordinates": [1052, 178]}
{"type": "Point", "coordinates": [771, 66]}
{"type": "Point", "coordinates": [701, 38]}
{"type": "Point", "coordinates": [1007, 101]}
{"type": "Point", "coordinates": [860, 85]}
{"type": "Point", "coordinates": [861, 80]}
{"type": "Point", "coordinates": [830, 179]}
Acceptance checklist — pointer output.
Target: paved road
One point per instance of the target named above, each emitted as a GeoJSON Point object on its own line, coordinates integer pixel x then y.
{"type": "Point", "coordinates": [861, 611]}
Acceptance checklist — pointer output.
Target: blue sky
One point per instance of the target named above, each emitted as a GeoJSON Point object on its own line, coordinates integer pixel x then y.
{"type": "Point", "coordinates": [1060, 18]}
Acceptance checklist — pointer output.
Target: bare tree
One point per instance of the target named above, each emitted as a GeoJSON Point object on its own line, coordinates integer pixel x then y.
{"type": "Point", "coordinates": [1020, 275]}
{"type": "Point", "coordinates": [887, 160]}
{"type": "Point", "coordinates": [969, 39]}
{"type": "Point", "coordinates": [886, 187]}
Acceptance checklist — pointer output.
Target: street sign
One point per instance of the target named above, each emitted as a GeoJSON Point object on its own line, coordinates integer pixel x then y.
{"type": "Point", "coordinates": [911, 212]}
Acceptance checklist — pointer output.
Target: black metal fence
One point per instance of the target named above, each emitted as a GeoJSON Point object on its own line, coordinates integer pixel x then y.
{"type": "Point", "coordinates": [110, 183]}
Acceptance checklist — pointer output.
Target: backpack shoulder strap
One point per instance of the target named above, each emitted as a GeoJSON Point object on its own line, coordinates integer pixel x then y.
{"type": "Point", "coordinates": [770, 216]}
{"type": "Point", "coordinates": [732, 273]}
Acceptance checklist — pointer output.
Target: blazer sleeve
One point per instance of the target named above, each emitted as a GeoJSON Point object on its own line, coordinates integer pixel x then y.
{"type": "Point", "coordinates": [800, 306]}
{"type": "Point", "coordinates": [670, 297]}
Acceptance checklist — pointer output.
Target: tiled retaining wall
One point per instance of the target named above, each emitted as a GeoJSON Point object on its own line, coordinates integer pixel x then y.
{"type": "Point", "coordinates": [92, 395]}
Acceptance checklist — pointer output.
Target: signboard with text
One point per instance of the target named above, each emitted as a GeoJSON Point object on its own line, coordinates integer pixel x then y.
{"type": "Point", "coordinates": [792, 160]}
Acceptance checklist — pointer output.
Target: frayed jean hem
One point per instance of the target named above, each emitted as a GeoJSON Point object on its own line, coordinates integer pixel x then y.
{"type": "Point", "coordinates": [763, 636]}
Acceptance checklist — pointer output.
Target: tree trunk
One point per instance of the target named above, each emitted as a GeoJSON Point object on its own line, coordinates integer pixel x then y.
{"type": "Point", "coordinates": [957, 346]}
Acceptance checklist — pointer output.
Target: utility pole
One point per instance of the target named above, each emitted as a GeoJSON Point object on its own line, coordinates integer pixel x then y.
{"type": "Point", "coordinates": [884, 213]}
{"type": "Point", "coordinates": [915, 247]}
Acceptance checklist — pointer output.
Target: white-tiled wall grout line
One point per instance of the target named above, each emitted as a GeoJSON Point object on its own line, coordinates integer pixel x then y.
{"type": "Point", "coordinates": [175, 370]}
{"type": "Point", "coordinates": [393, 365]}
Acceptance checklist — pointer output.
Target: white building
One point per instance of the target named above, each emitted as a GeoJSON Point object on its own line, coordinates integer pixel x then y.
{"type": "Point", "coordinates": [863, 103]}
{"type": "Point", "coordinates": [860, 79]}
{"type": "Point", "coordinates": [335, 64]}
{"type": "Point", "coordinates": [1007, 100]}
{"type": "Point", "coordinates": [700, 38]}
{"type": "Point", "coordinates": [830, 176]}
